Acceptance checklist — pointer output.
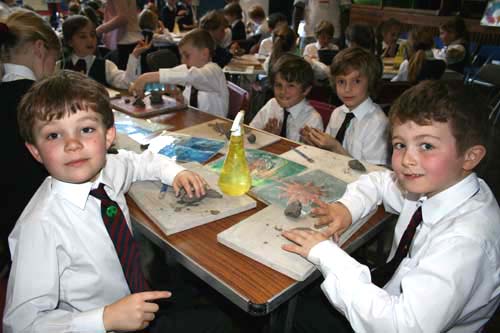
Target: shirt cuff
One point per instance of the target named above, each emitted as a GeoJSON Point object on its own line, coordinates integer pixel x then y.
{"type": "Point", "coordinates": [354, 206]}
{"type": "Point", "coordinates": [89, 321]}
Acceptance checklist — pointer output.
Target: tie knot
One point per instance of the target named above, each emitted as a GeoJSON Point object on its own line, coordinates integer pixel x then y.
{"type": "Point", "coordinates": [349, 116]}
{"type": "Point", "coordinates": [99, 193]}
{"type": "Point", "coordinates": [81, 66]}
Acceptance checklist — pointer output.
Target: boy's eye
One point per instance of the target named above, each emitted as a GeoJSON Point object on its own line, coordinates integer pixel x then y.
{"type": "Point", "coordinates": [341, 82]}
{"type": "Point", "coordinates": [426, 146]}
{"type": "Point", "coordinates": [52, 136]}
{"type": "Point", "coordinates": [357, 81]}
{"type": "Point", "coordinates": [398, 145]}
{"type": "Point", "coordinates": [88, 130]}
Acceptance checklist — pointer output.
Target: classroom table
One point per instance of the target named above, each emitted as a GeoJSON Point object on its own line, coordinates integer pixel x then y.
{"type": "Point", "coordinates": [254, 287]}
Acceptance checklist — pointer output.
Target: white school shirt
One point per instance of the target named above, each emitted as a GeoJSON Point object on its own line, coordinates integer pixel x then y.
{"type": "Point", "coordinates": [405, 66]}
{"type": "Point", "coordinates": [65, 268]}
{"type": "Point", "coordinates": [450, 282]}
{"type": "Point", "coordinates": [366, 138]}
{"type": "Point", "coordinates": [266, 46]}
{"type": "Point", "coordinates": [14, 72]}
{"type": "Point", "coordinates": [213, 94]}
{"type": "Point", "coordinates": [311, 50]}
{"type": "Point", "coordinates": [115, 77]}
{"type": "Point", "coordinates": [301, 114]}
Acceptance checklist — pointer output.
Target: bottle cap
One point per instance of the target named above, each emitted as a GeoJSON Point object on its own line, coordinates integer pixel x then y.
{"type": "Point", "coordinates": [238, 120]}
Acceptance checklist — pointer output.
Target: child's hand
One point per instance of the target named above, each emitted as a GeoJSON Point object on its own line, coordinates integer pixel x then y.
{"type": "Point", "coordinates": [174, 92]}
{"type": "Point", "coordinates": [304, 240]}
{"type": "Point", "coordinates": [141, 47]}
{"type": "Point", "coordinates": [137, 87]}
{"type": "Point", "coordinates": [336, 216]}
{"type": "Point", "coordinates": [133, 312]}
{"type": "Point", "coordinates": [191, 182]}
{"type": "Point", "coordinates": [273, 126]}
{"type": "Point", "coordinates": [314, 136]}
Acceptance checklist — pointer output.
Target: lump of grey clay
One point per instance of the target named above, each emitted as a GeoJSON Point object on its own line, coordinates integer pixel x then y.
{"type": "Point", "coordinates": [139, 103]}
{"type": "Point", "coordinates": [127, 100]}
{"type": "Point", "coordinates": [356, 165]}
{"type": "Point", "coordinates": [156, 98]}
{"type": "Point", "coordinates": [251, 138]}
{"type": "Point", "coordinates": [210, 193]}
{"type": "Point", "coordinates": [293, 209]}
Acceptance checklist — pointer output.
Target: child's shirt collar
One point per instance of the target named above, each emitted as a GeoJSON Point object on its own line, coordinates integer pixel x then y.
{"type": "Point", "coordinates": [362, 109]}
{"type": "Point", "coordinates": [14, 72]}
{"type": "Point", "coordinates": [297, 108]}
{"type": "Point", "coordinates": [88, 59]}
{"type": "Point", "coordinates": [441, 204]}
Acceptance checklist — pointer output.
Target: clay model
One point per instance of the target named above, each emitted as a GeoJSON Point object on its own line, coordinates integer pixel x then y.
{"type": "Point", "coordinates": [139, 103]}
{"type": "Point", "coordinates": [356, 165]}
{"type": "Point", "coordinates": [156, 98]}
{"type": "Point", "coordinates": [185, 199]}
{"type": "Point", "coordinates": [251, 138]}
{"type": "Point", "coordinates": [293, 209]}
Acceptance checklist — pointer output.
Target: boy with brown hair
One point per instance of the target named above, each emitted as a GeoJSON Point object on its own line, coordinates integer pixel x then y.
{"type": "Point", "coordinates": [75, 235]}
{"type": "Point", "coordinates": [204, 81]}
{"type": "Point", "coordinates": [443, 269]}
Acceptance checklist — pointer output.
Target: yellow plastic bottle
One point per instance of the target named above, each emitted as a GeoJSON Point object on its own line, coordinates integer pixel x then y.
{"type": "Point", "coordinates": [235, 177]}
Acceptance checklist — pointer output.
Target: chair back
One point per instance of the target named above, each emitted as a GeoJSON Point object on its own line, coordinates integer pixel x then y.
{"type": "Point", "coordinates": [431, 70]}
{"type": "Point", "coordinates": [238, 99]}
{"type": "Point", "coordinates": [326, 56]}
{"type": "Point", "coordinates": [163, 58]}
{"type": "Point", "coordinates": [324, 109]}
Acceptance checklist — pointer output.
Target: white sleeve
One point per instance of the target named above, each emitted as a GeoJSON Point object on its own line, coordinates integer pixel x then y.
{"type": "Point", "coordinates": [262, 117]}
{"type": "Point", "coordinates": [315, 121]}
{"type": "Point", "coordinates": [402, 72]}
{"type": "Point", "coordinates": [120, 79]}
{"type": "Point", "coordinates": [200, 78]}
{"type": "Point", "coordinates": [375, 148]}
{"type": "Point", "coordinates": [321, 70]}
{"type": "Point", "coordinates": [433, 294]}
{"type": "Point", "coordinates": [33, 291]}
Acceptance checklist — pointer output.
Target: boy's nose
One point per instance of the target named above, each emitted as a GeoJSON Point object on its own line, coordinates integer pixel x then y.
{"type": "Point", "coordinates": [73, 144]}
{"type": "Point", "coordinates": [408, 158]}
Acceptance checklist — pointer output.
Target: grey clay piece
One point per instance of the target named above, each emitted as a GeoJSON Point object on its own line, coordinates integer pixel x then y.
{"type": "Point", "coordinates": [293, 209]}
{"type": "Point", "coordinates": [356, 165]}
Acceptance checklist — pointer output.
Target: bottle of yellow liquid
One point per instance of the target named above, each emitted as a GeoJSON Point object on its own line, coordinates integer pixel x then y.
{"type": "Point", "coordinates": [235, 177]}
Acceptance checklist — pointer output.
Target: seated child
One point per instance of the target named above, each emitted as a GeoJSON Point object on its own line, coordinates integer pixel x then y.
{"type": "Point", "coordinates": [273, 21]}
{"type": "Point", "coordinates": [284, 42]}
{"type": "Point", "coordinates": [324, 40]}
{"type": "Point", "coordinates": [153, 29]}
{"type": "Point", "coordinates": [359, 127]}
{"type": "Point", "coordinates": [387, 38]}
{"type": "Point", "coordinates": [186, 16]}
{"type": "Point", "coordinates": [420, 43]}
{"type": "Point", "coordinates": [234, 15]}
{"type": "Point", "coordinates": [215, 23]}
{"type": "Point", "coordinates": [80, 35]}
{"type": "Point", "coordinates": [288, 112]}
{"type": "Point", "coordinates": [360, 35]}
{"type": "Point", "coordinates": [455, 37]}
{"type": "Point", "coordinates": [442, 272]}
{"type": "Point", "coordinates": [204, 81]}
{"type": "Point", "coordinates": [168, 14]}
{"type": "Point", "coordinates": [257, 25]}
{"type": "Point", "coordinates": [88, 278]}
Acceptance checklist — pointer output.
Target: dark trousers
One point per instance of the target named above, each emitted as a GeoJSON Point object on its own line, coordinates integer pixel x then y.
{"type": "Point", "coordinates": [315, 314]}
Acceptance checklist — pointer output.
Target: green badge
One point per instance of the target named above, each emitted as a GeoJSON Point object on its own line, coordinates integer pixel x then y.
{"type": "Point", "coordinates": [111, 211]}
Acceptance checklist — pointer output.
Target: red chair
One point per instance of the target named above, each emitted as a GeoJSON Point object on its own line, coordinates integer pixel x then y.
{"type": "Point", "coordinates": [324, 109]}
{"type": "Point", "coordinates": [238, 99]}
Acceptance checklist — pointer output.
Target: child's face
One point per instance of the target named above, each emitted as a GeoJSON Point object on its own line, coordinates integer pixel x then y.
{"type": "Point", "coordinates": [324, 40]}
{"type": "Point", "coordinates": [352, 88]}
{"type": "Point", "coordinates": [192, 56]}
{"type": "Point", "coordinates": [391, 36]}
{"type": "Point", "coordinates": [218, 34]}
{"type": "Point", "coordinates": [425, 157]}
{"type": "Point", "coordinates": [288, 94]}
{"type": "Point", "coordinates": [84, 41]}
{"type": "Point", "coordinates": [73, 148]}
{"type": "Point", "coordinates": [446, 36]}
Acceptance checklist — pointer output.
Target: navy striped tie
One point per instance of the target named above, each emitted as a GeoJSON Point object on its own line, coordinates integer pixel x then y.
{"type": "Point", "coordinates": [122, 238]}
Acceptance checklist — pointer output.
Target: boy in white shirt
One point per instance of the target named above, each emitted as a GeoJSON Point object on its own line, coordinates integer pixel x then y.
{"type": "Point", "coordinates": [288, 112]}
{"type": "Point", "coordinates": [204, 81]}
{"type": "Point", "coordinates": [443, 270]}
{"type": "Point", "coordinates": [324, 36]}
{"type": "Point", "coordinates": [359, 127]}
{"type": "Point", "coordinates": [75, 262]}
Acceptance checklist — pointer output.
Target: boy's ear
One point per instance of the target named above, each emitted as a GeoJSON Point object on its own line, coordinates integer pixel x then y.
{"type": "Point", "coordinates": [473, 156]}
{"type": "Point", "coordinates": [110, 136]}
{"type": "Point", "coordinates": [39, 48]}
{"type": "Point", "coordinates": [34, 151]}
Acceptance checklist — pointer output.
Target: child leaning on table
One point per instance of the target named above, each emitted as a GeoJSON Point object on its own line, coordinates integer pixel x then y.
{"type": "Point", "coordinates": [61, 238]}
{"type": "Point", "coordinates": [204, 81]}
{"type": "Point", "coordinates": [447, 278]}
{"type": "Point", "coordinates": [289, 111]}
{"type": "Point", "coordinates": [358, 128]}
{"type": "Point", "coordinates": [80, 36]}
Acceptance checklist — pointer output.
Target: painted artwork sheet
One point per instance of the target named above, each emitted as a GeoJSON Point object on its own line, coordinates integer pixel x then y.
{"type": "Point", "coordinates": [305, 188]}
{"type": "Point", "coordinates": [491, 16]}
{"type": "Point", "coordinates": [185, 148]}
{"type": "Point", "coordinates": [265, 168]}
{"type": "Point", "coordinates": [137, 129]}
